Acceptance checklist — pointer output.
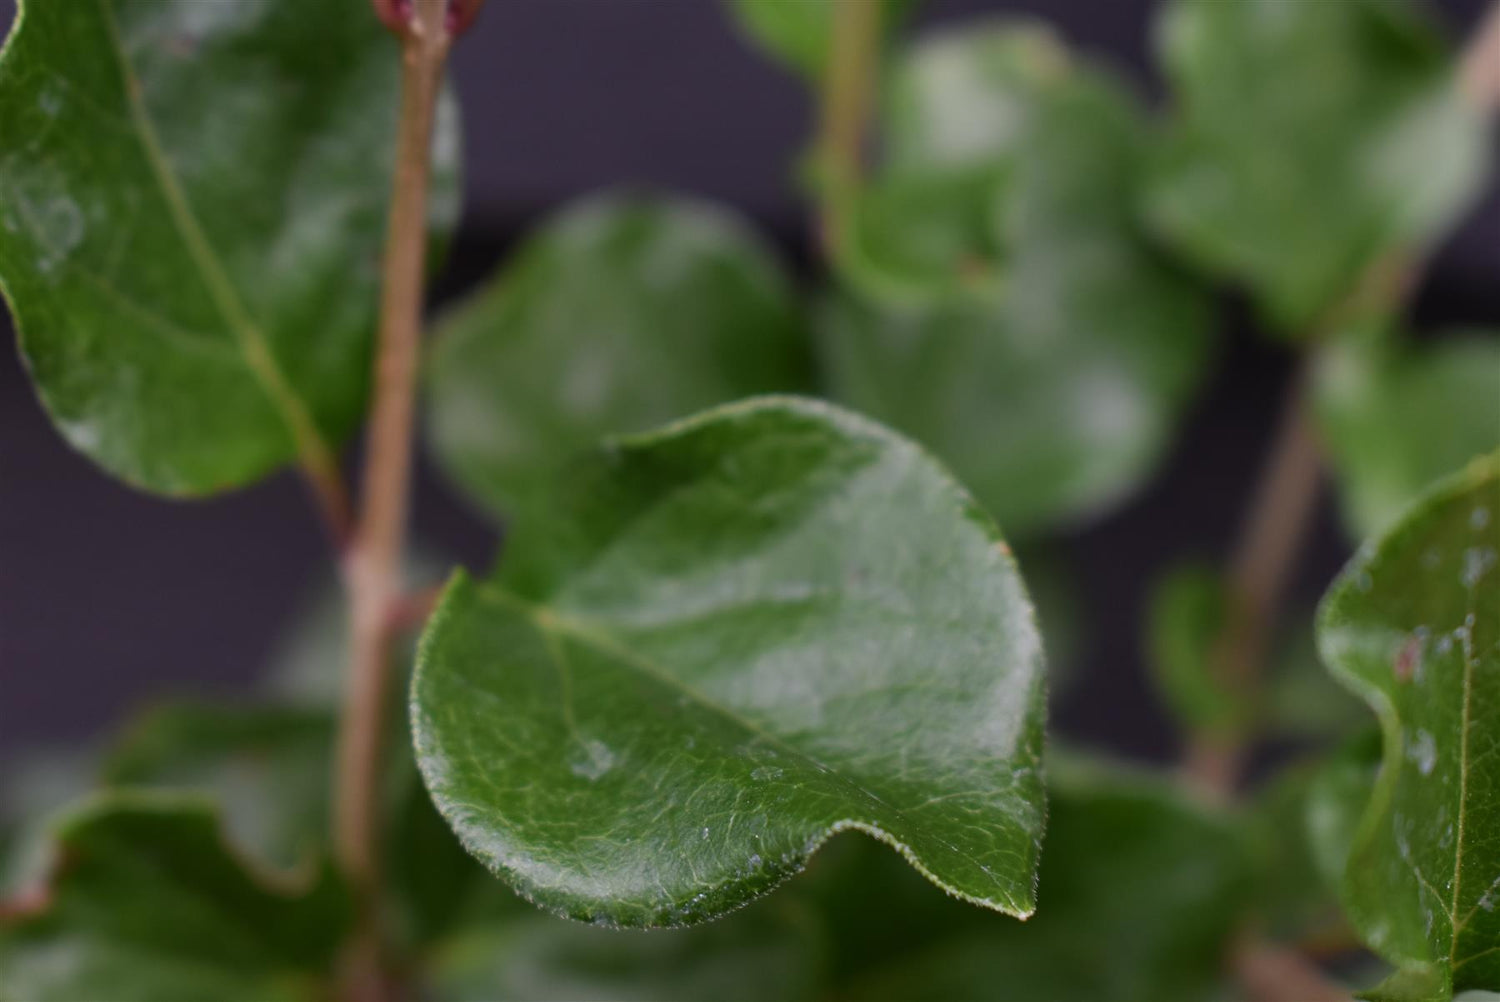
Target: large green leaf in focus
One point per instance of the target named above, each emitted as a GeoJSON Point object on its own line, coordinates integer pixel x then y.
{"type": "Point", "coordinates": [623, 312]}
{"type": "Point", "coordinates": [1309, 140]}
{"type": "Point", "coordinates": [1140, 894]}
{"type": "Point", "coordinates": [1053, 395]}
{"type": "Point", "coordinates": [1413, 626]}
{"type": "Point", "coordinates": [148, 904]}
{"type": "Point", "coordinates": [191, 218]}
{"type": "Point", "coordinates": [1395, 417]}
{"type": "Point", "coordinates": [799, 33]}
{"type": "Point", "coordinates": [770, 952]}
{"type": "Point", "coordinates": [736, 636]}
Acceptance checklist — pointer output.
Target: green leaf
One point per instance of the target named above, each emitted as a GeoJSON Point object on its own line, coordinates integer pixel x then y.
{"type": "Point", "coordinates": [33, 786]}
{"type": "Point", "coordinates": [621, 313]}
{"type": "Point", "coordinates": [1055, 401]}
{"type": "Point", "coordinates": [736, 636]}
{"type": "Point", "coordinates": [147, 904]}
{"type": "Point", "coordinates": [1302, 700]}
{"type": "Point", "coordinates": [799, 33]}
{"type": "Point", "coordinates": [1140, 895]}
{"type": "Point", "coordinates": [1395, 417]}
{"type": "Point", "coordinates": [1310, 140]}
{"type": "Point", "coordinates": [191, 217]}
{"type": "Point", "coordinates": [1187, 613]}
{"type": "Point", "coordinates": [771, 951]}
{"type": "Point", "coordinates": [265, 767]}
{"type": "Point", "coordinates": [1413, 626]}
{"type": "Point", "coordinates": [923, 238]}
{"type": "Point", "coordinates": [1295, 897]}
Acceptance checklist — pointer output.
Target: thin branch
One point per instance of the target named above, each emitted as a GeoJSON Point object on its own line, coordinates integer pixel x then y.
{"type": "Point", "coordinates": [1479, 68]}
{"type": "Point", "coordinates": [1287, 493]}
{"type": "Point", "coordinates": [847, 91]}
{"type": "Point", "coordinates": [372, 564]}
{"type": "Point", "coordinates": [1270, 540]}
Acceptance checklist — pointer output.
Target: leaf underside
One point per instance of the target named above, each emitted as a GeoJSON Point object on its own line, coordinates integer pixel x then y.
{"type": "Point", "coordinates": [739, 635]}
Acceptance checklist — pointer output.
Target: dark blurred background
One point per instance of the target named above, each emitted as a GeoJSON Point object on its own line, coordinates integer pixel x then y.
{"type": "Point", "coordinates": [109, 598]}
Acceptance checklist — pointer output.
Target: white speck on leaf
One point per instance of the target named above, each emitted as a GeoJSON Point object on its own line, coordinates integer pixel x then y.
{"type": "Point", "coordinates": [1422, 750]}
{"type": "Point", "coordinates": [1479, 518]}
{"type": "Point", "coordinates": [596, 760]}
{"type": "Point", "coordinates": [1477, 563]}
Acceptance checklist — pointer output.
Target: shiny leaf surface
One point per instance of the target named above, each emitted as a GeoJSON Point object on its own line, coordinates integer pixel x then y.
{"type": "Point", "coordinates": [621, 313]}
{"type": "Point", "coordinates": [191, 217]}
{"type": "Point", "coordinates": [1413, 626]}
{"type": "Point", "coordinates": [736, 636]}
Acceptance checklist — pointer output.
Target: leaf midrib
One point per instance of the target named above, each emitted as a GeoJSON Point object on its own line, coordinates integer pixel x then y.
{"type": "Point", "coordinates": [312, 449]}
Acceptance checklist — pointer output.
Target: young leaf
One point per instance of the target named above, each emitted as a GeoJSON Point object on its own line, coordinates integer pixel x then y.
{"type": "Point", "coordinates": [770, 952]}
{"type": "Point", "coordinates": [191, 215]}
{"type": "Point", "coordinates": [1310, 139]}
{"type": "Point", "coordinates": [799, 33]}
{"type": "Point", "coordinates": [1140, 894]}
{"type": "Point", "coordinates": [1187, 614]}
{"type": "Point", "coordinates": [1413, 626]}
{"type": "Point", "coordinates": [622, 313]}
{"type": "Point", "coordinates": [1055, 401]}
{"type": "Point", "coordinates": [1396, 417]}
{"type": "Point", "coordinates": [148, 903]}
{"type": "Point", "coordinates": [734, 637]}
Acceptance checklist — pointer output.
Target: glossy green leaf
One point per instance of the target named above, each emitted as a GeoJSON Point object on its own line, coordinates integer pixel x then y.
{"type": "Point", "coordinates": [1413, 626]}
{"type": "Point", "coordinates": [799, 33]}
{"type": "Point", "coordinates": [1054, 401]}
{"type": "Point", "coordinates": [1140, 894]}
{"type": "Point", "coordinates": [1186, 617]}
{"type": "Point", "coordinates": [736, 636]}
{"type": "Point", "coordinates": [770, 952]}
{"type": "Point", "coordinates": [1309, 140]}
{"type": "Point", "coordinates": [1396, 417]}
{"type": "Point", "coordinates": [191, 218]}
{"type": "Point", "coordinates": [621, 313]}
{"type": "Point", "coordinates": [148, 904]}
{"type": "Point", "coordinates": [33, 786]}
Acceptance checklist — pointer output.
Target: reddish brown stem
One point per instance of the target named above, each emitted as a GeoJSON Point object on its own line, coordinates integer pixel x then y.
{"type": "Point", "coordinates": [372, 563]}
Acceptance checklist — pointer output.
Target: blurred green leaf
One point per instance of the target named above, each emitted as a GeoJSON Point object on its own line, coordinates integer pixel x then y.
{"type": "Point", "coordinates": [191, 217]}
{"type": "Point", "coordinates": [1188, 610]}
{"type": "Point", "coordinates": [1396, 417]}
{"type": "Point", "coordinates": [1054, 400]}
{"type": "Point", "coordinates": [1309, 140]}
{"type": "Point", "coordinates": [1140, 893]}
{"type": "Point", "coordinates": [147, 904]}
{"type": "Point", "coordinates": [1336, 801]}
{"type": "Point", "coordinates": [1296, 899]}
{"type": "Point", "coordinates": [33, 786]}
{"type": "Point", "coordinates": [1302, 700]}
{"type": "Point", "coordinates": [265, 767]}
{"type": "Point", "coordinates": [736, 636]}
{"type": "Point", "coordinates": [922, 238]}
{"type": "Point", "coordinates": [621, 313]}
{"type": "Point", "coordinates": [799, 33]}
{"type": "Point", "coordinates": [770, 952]}
{"type": "Point", "coordinates": [1413, 626]}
